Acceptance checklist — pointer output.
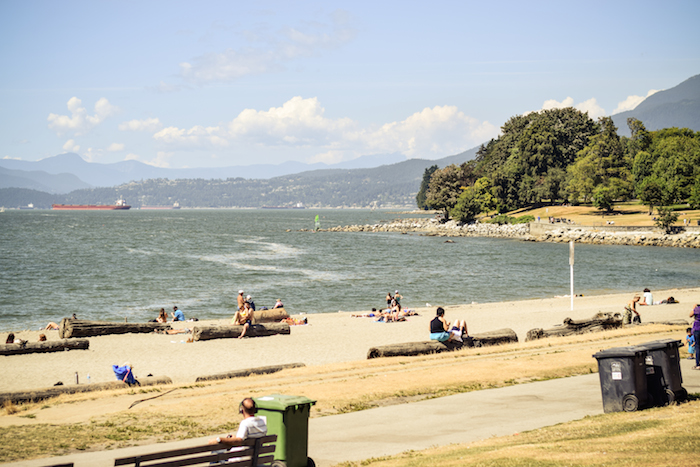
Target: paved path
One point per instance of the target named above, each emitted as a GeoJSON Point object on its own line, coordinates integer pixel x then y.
{"type": "Point", "coordinates": [390, 430]}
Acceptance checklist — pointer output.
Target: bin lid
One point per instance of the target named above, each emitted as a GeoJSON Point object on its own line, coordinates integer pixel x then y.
{"type": "Point", "coordinates": [661, 344]}
{"type": "Point", "coordinates": [617, 352]}
{"type": "Point", "coordinates": [281, 402]}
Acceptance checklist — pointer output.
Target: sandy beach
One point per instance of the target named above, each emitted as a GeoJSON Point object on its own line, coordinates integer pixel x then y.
{"type": "Point", "coordinates": [328, 338]}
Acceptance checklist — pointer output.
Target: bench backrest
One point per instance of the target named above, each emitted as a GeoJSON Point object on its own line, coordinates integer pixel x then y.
{"type": "Point", "coordinates": [256, 451]}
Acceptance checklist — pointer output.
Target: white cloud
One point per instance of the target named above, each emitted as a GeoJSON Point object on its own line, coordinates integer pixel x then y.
{"type": "Point", "coordinates": [301, 124]}
{"type": "Point", "coordinates": [149, 124]}
{"type": "Point", "coordinates": [276, 50]}
{"type": "Point", "coordinates": [591, 106]}
{"type": "Point", "coordinates": [12, 158]}
{"type": "Point", "coordinates": [115, 147]}
{"type": "Point", "coordinates": [197, 136]}
{"type": "Point", "coordinates": [440, 131]}
{"type": "Point", "coordinates": [70, 146]}
{"type": "Point", "coordinates": [553, 104]}
{"type": "Point", "coordinates": [632, 102]}
{"type": "Point", "coordinates": [132, 157]}
{"type": "Point", "coordinates": [80, 122]}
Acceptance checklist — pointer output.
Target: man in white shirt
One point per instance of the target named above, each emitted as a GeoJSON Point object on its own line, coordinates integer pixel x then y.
{"type": "Point", "coordinates": [252, 426]}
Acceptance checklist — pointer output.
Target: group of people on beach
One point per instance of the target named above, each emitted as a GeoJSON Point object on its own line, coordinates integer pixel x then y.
{"type": "Point", "coordinates": [632, 316]}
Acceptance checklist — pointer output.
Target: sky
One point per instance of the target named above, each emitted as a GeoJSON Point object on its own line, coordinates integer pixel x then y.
{"type": "Point", "coordinates": [225, 83]}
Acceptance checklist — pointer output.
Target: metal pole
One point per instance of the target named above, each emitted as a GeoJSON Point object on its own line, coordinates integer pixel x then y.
{"type": "Point", "coordinates": [571, 268]}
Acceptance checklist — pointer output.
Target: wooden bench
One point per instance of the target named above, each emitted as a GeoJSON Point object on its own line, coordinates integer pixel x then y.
{"type": "Point", "coordinates": [256, 451]}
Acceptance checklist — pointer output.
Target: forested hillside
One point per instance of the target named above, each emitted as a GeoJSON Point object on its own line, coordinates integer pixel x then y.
{"type": "Point", "coordinates": [562, 155]}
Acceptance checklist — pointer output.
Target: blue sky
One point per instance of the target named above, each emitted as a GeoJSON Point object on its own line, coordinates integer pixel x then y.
{"type": "Point", "coordinates": [222, 83]}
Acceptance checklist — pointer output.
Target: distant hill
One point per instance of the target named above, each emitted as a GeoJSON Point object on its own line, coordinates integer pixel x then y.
{"type": "Point", "coordinates": [104, 175]}
{"type": "Point", "coordinates": [40, 180]}
{"type": "Point", "coordinates": [387, 185]}
{"type": "Point", "coordinates": [675, 107]}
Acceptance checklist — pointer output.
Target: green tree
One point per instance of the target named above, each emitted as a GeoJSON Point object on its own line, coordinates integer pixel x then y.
{"type": "Point", "coordinates": [467, 206]}
{"type": "Point", "coordinates": [602, 199]}
{"type": "Point", "coordinates": [651, 192]}
{"type": "Point", "coordinates": [694, 200]}
{"type": "Point", "coordinates": [421, 197]}
{"type": "Point", "coordinates": [667, 217]}
{"type": "Point", "coordinates": [445, 188]}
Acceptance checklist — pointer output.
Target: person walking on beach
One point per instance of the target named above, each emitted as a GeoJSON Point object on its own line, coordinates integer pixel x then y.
{"type": "Point", "coordinates": [696, 334]}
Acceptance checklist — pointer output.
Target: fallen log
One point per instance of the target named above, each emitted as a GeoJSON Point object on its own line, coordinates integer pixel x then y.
{"type": "Point", "coordinates": [41, 394]}
{"type": "Point", "coordinates": [203, 333]}
{"type": "Point", "coordinates": [45, 346]}
{"type": "Point", "coordinates": [269, 316]}
{"type": "Point", "coordinates": [70, 327]}
{"type": "Point", "coordinates": [599, 322]}
{"type": "Point", "coordinates": [500, 336]}
{"type": "Point", "coordinates": [263, 370]}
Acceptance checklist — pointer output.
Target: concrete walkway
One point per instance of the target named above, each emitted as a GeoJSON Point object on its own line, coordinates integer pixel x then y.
{"type": "Point", "coordinates": [391, 430]}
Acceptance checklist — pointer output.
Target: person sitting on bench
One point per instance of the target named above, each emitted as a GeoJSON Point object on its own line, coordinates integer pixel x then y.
{"type": "Point", "coordinates": [252, 426]}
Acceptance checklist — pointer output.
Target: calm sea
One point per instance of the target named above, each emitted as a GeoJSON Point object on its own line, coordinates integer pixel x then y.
{"type": "Point", "coordinates": [116, 265]}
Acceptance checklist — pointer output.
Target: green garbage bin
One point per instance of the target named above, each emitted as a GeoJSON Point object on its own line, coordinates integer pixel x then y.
{"type": "Point", "coordinates": [288, 418]}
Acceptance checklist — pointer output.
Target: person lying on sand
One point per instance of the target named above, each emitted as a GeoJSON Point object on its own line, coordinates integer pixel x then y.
{"type": "Point", "coordinates": [51, 327]}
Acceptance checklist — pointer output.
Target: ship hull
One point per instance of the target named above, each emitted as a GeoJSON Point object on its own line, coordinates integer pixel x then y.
{"type": "Point", "coordinates": [87, 207]}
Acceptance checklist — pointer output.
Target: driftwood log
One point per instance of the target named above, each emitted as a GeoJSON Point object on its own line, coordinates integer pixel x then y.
{"type": "Point", "coordinates": [269, 316]}
{"type": "Point", "coordinates": [41, 394]}
{"type": "Point", "coordinates": [45, 346]}
{"type": "Point", "coordinates": [203, 333]}
{"type": "Point", "coordinates": [599, 322]}
{"type": "Point", "coordinates": [263, 370]}
{"type": "Point", "coordinates": [501, 336]}
{"type": "Point", "coordinates": [70, 327]}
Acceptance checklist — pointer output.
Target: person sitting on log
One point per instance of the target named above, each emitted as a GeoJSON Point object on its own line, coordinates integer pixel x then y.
{"type": "Point", "coordinates": [440, 327]}
{"type": "Point", "coordinates": [178, 315]}
{"type": "Point", "coordinates": [249, 301]}
{"type": "Point", "coordinates": [10, 338]}
{"type": "Point", "coordinates": [243, 318]}
{"type": "Point", "coordinates": [459, 329]}
{"type": "Point", "coordinates": [630, 309]}
{"type": "Point", "coordinates": [162, 316]}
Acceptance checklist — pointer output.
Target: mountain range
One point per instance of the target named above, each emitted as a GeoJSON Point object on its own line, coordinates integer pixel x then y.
{"type": "Point", "coordinates": [676, 107]}
{"type": "Point", "coordinates": [67, 172]}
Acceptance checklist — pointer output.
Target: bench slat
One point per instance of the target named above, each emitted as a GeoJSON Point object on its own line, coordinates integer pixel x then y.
{"type": "Point", "coordinates": [264, 446]}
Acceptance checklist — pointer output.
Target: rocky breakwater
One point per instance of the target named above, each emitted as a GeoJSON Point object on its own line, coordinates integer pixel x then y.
{"type": "Point", "coordinates": [640, 238]}
{"type": "Point", "coordinates": [597, 235]}
{"type": "Point", "coordinates": [431, 227]}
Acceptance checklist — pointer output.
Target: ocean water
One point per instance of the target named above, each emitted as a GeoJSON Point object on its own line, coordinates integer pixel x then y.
{"type": "Point", "coordinates": [116, 265]}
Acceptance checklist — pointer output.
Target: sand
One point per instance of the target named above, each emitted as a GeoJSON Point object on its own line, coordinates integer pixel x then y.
{"type": "Point", "coordinates": [328, 338]}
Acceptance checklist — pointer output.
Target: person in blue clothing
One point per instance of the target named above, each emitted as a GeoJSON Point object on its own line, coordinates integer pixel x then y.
{"type": "Point", "coordinates": [178, 315]}
{"type": "Point", "coordinates": [690, 339]}
{"type": "Point", "coordinates": [696, 334]}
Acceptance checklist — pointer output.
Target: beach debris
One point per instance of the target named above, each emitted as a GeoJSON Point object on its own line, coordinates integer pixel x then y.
{"type": "Point", "coordinates": [598, 322]}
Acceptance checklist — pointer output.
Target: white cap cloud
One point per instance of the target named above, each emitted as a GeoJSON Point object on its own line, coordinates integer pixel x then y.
{"type": "Point", "coordinates": [149, 124]}
{"type": "Point", "coordinates": [161, 159]}
{"type": "Point", "coordinates": [591, 106]}
{"type": "Point", "coordinates": [80, 122]}
{"type": "Point", "coordinates": [301, 124]}
{"type": "Point", "coordinates": [632, 102]}
{"type": "Point", "coordinates": [115, 147]}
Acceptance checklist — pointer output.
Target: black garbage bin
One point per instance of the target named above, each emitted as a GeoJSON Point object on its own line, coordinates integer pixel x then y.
{"type": "Point", "coordinates": [663, 370]}
{"type": "Point", "coordinates": [623, 381]}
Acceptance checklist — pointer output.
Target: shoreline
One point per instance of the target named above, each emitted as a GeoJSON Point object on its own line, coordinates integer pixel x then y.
{"type": "Point", "coordinates": [537, 232]}
{"type": "Point", "coordinates": [328, 338]}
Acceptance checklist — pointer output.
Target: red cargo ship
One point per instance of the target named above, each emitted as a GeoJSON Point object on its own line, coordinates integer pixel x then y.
{"type": "Point", "coordinates": [119, 204]}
